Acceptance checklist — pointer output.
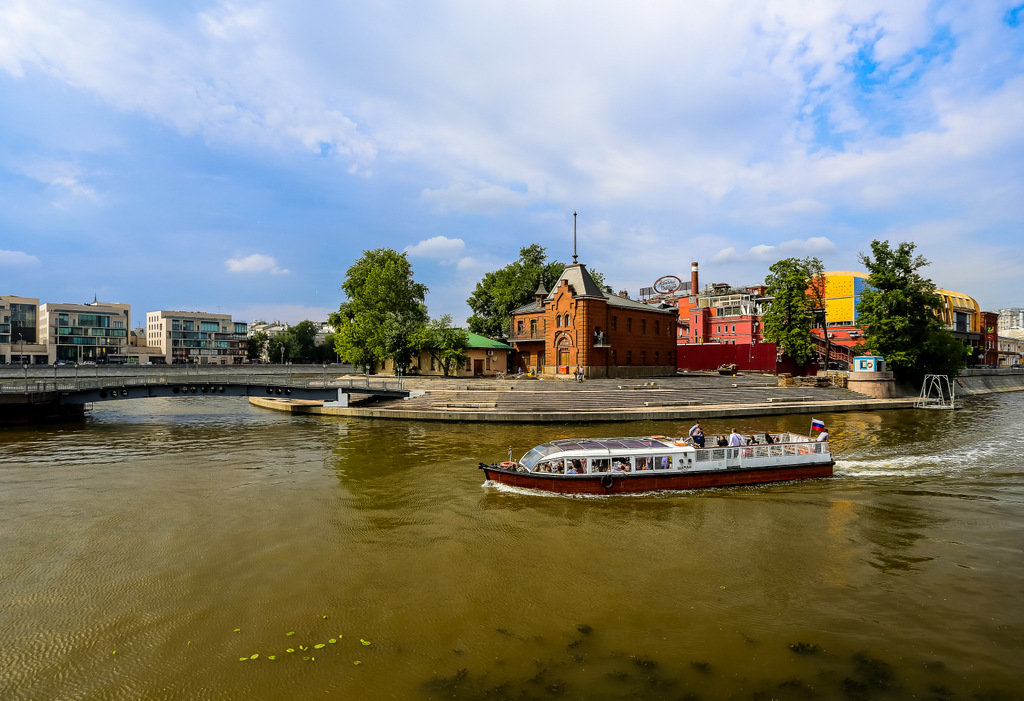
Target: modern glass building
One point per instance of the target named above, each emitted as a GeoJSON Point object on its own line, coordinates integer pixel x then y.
{"type": "Point", "coordinates": [197, 337]}
{"type": "Point", "coordinates": [95, 332]}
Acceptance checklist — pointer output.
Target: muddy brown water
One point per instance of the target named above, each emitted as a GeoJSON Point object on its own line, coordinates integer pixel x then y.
{"type": "Point", "coordinates": [145, 552]}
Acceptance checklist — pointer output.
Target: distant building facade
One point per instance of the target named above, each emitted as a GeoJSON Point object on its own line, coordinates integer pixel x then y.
{"type": "Point", "coordinates": [197, 337]}
{"type": "Point", "coordinates": [1011, 318]}
{"type": "Point", "coordinates": [578, 324]}
{"type": "Point", "coordinates": [95, 332]}
{"type": "Point", "coordinates": [19, 331]}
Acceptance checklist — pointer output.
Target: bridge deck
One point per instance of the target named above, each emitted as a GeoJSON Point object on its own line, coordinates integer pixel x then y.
{"type": "Point", "coordinates": [86, 390]}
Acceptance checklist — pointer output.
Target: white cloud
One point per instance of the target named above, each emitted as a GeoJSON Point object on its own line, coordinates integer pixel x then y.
{"type": "Point", "coordinates": [437, 247]}
{"type": "Point", "coordinates": [255, 263]}
{"type": "Point", "coordinates": [17, 259]}
{"type": "Point", "coordinates": [769, 253]}
{"type": "Point", "coordinates": [64, 177]}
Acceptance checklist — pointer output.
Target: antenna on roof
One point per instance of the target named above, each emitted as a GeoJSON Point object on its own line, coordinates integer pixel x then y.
{"type": "Point", "coordinates": [574, 238]}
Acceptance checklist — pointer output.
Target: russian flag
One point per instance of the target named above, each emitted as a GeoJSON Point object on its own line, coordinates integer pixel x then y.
{"type": "Point", "coordinates": [817, 425]}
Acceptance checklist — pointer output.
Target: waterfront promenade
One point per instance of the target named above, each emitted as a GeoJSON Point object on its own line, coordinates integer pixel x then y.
{"type": "Point", "coordinates": [556, 400]}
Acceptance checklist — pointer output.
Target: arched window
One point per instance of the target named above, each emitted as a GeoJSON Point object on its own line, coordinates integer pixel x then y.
{"type": "Point", "coordinates": [566, 322]}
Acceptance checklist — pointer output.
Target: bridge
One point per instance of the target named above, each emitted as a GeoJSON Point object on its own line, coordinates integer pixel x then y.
{"type": "Point", "coordinates": [55, 394]}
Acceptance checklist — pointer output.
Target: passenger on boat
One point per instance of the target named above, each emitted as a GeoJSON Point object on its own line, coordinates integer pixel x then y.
{"type": "Point", "coordinates": [572, 469]}
{"type": "Point", "coordinates": [735, 438]}
{"type": "Point", "coordinates": [693, 429]}
{"type": "Point", "coordinates": [666, 461]}
{"type": "Point", "coordinates": [752, 440]}
{"type": "Point", "coordinates": [698, 438]}
{"type": "Point", "coordinates": [768, 438]}
{"type": "Point", "coordinates": [823, 436]}
{"type": "Point", "coordinates": [721, 442]}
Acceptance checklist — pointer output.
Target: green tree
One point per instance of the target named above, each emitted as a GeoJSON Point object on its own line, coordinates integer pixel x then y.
{"type": "Point", "coordinates": [501, 291]}
{"type": "Point", "coordinates": [256, 345]}
{"type": "Point", "coordinates": [445, 343]}
{"type": "Point", "coordinates": [795, 290]}
{"type": "Point", "coordinates": [383, 309]}
{"type": "Point", "coordinates": [304, 334]}
{"type": "Point", "coordinates": [898, 312]}
{"type": "Point", "coordinates": [282, 348]}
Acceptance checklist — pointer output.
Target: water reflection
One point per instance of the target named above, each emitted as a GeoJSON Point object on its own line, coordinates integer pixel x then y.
{"type": "Point", "coordinates": [894, 530]}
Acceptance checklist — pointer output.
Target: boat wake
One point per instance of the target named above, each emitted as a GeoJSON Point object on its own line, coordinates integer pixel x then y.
{"type": "Point", "coordinates": [954, 461]}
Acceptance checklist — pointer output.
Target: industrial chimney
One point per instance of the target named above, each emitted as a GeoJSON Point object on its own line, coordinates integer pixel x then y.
{"type": "Point", "coordinates": [693, 278]}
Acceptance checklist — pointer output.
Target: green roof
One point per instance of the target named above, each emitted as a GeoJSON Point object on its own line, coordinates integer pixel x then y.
{"type": "Point", "coordinates": [478, 341]}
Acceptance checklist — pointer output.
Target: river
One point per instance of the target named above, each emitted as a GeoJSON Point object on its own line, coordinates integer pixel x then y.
{"type": "Point", "coordinates": [180, 548]}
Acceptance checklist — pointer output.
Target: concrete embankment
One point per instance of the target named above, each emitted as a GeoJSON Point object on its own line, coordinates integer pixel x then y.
{"type": "Point", "coordinates": [972, 382]}
{"type": "Point", "coordinates": [672, 398]}
{"type": "Point", "coordinates": [579, 415]}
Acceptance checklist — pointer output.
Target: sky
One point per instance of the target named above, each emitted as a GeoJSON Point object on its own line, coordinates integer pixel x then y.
{"type": "Point", "coordinates": [238, 156]}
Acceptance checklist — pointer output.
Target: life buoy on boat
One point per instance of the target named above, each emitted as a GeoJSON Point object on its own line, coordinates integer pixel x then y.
{"type": "Point", "coordinates": [508, 465]}
{"type": "Point", "coordinates": [679, 443]}
{"type": "Point", "coordinates": [607, 481]}
{"type": "Point", "coordinates": [659, 437]}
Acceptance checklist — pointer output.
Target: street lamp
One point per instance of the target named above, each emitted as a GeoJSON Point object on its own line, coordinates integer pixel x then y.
{"type": "Point", "coordinates": [24, 365]}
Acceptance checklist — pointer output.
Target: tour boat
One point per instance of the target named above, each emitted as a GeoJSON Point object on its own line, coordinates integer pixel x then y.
{"type": "Point", "coordinates": [659, 463]}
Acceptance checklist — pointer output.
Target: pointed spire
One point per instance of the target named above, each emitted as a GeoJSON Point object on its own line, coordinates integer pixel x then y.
{"type": "Point", "coordinates": [574, 261]}
{"type": "Point", "coordinates": [541, 292]}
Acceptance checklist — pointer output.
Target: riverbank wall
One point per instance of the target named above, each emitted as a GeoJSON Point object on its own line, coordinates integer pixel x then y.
{"type": "Point", "coordinates": [670, 399]}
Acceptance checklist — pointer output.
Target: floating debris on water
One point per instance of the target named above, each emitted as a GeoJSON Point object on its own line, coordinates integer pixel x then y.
{"type": "Point", "coordinates": [365, 642]}
{"type": "Point", "coordinates": [804, 648]}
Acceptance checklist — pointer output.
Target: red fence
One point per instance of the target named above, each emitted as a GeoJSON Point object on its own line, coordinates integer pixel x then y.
{"type": "Point", "coordinates": [760, 357]}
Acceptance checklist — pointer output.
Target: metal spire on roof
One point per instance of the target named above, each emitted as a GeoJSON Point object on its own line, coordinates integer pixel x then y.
{"type": "Point", "coordinates": [574, 238]}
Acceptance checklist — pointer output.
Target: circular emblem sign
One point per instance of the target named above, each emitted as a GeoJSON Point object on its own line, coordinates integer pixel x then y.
{"type": "Point", "coordinates": [666, 284]}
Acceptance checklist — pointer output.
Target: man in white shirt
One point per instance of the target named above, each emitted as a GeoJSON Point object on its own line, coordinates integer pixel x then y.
{"type": "Point", "coordinates": [693, 429]}
{"type": "Point", "coordinates": [735, 438]}
{"type": "Point", "coordinates": [823, 435]}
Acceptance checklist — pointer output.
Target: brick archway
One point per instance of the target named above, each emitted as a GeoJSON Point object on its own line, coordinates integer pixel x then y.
{"type": "Point", "coordinates": [564, 346]}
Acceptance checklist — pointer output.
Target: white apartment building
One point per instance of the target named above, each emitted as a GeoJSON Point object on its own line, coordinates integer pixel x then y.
{"type": "Point", "coordinates": [96, 332]}
{"type": "Point", "coordinates": [197, 337]}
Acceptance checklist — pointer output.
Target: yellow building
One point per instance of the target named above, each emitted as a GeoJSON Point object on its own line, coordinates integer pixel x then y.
{"type": "Point", "coordinates": [843, 290]}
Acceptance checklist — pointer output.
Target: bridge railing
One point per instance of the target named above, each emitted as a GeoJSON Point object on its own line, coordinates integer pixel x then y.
{"type": "Point", "coordinates": [34, 385]}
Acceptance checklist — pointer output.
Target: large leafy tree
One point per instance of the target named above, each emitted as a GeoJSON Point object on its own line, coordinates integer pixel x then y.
{"type": "Point", "coordinates": [898, 312]}
{"type": "Point", "coordinates": [282, 348]}
{"type": "Point", "coordinates": [304, 334]}
{"type": "Point", "coordinates": [795, 292]}
{"type": "Point", "coordinates": [256, 345]}
{"type": "Point", "coordinates": [445, 343]}
{"type": "Point", "coordinates": [382, 312]}
{"type": "Point", "coordinates": [501, 291]}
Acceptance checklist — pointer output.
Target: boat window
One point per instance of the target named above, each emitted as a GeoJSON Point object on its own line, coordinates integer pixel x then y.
{"type": "Point", "coordinates": [599, 464]}
{"type": "Point", "coordinates": [555, 466]}
{"type": "Point", "coordinates": [575, 467]}
{"type": "Point", "coordinates": [621, 463]}
{"type": "Point", "coordinates": [531, 458]}
{"type": "Point", "coordinates": [662, 462]}
{"type": "Point", "coordinates": [642, 464]}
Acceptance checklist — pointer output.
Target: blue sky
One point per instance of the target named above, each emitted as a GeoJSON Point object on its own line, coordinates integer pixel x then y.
{"type": "Point", "coordinates": [239, 156]}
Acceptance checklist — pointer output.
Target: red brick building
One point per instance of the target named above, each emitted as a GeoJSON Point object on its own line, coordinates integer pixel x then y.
{"type": "Point", "coordinates": [607, 335]}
